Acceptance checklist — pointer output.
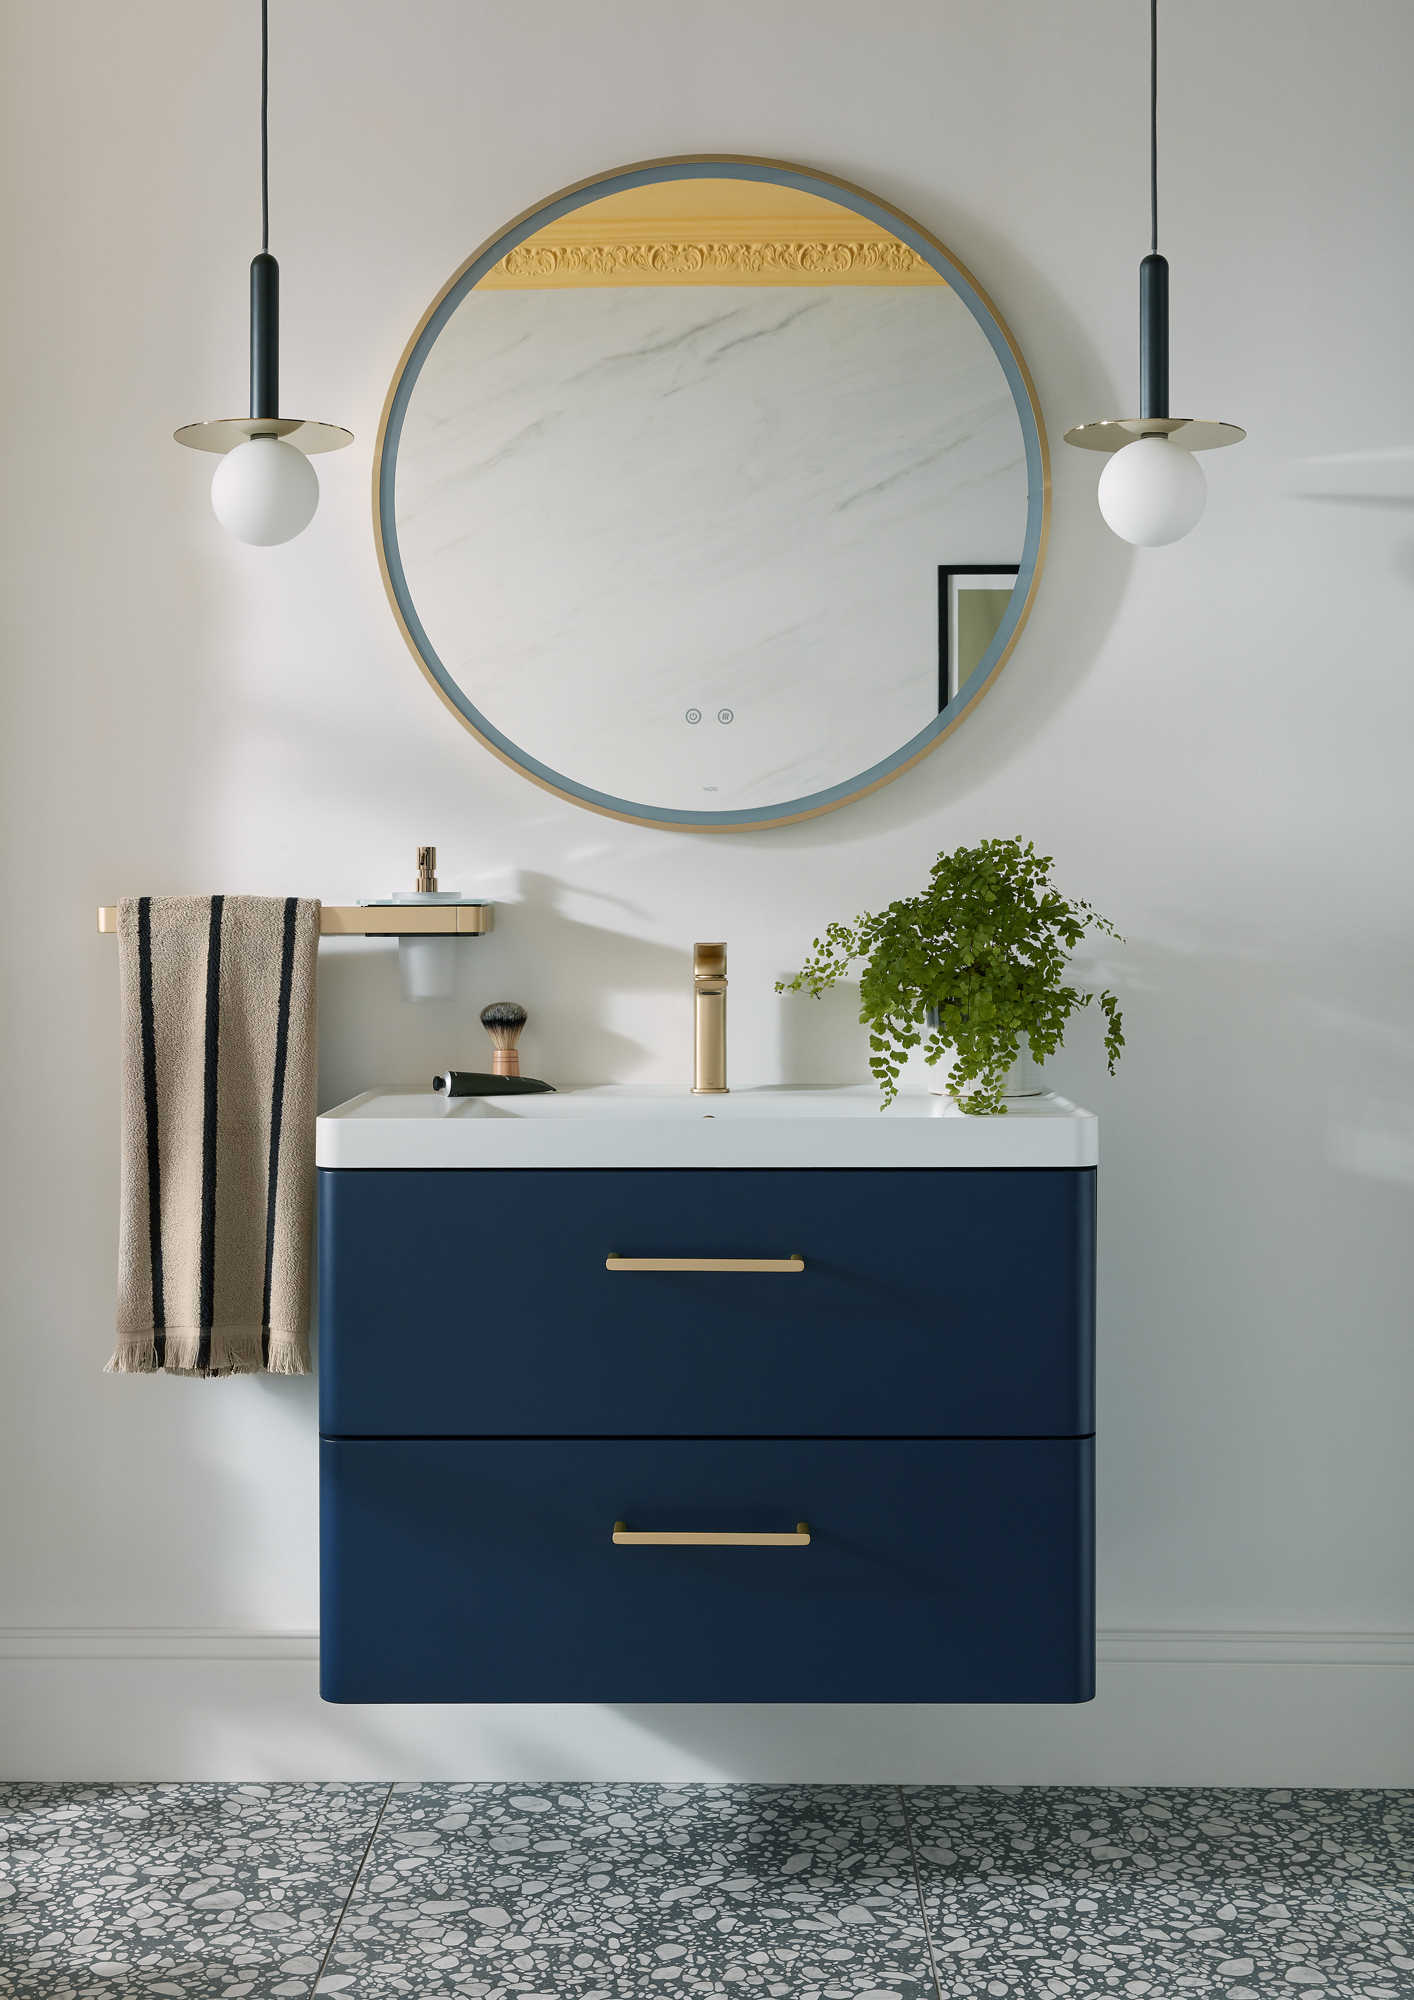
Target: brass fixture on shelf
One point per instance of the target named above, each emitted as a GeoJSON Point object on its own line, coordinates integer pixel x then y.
{"type": "Point", "coordinates": [692, 1538]}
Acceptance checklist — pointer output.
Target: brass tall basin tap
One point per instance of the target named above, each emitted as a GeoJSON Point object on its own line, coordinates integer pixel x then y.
{"type": "Point", "coordinates": [709, 989]}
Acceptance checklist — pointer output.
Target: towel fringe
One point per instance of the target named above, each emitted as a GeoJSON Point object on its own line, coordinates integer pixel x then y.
{"type": "Point", "coordinates": [233, 1351]}
{"type": "Point", "coordinates": [288, 1356]}
{"type": "Point", "coordinates": [133, 1357]}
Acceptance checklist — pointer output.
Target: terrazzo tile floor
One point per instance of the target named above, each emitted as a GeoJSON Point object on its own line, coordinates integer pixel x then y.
{"type": "Point", "coordinates": [724, 1892]}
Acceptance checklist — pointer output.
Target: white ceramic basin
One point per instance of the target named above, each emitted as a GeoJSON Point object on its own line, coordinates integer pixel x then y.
{"type": "Point", "coordinates": [619, 1126]}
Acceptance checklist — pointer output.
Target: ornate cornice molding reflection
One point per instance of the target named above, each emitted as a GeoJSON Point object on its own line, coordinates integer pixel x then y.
{"type": "Point", "coordinates": [698, 261]}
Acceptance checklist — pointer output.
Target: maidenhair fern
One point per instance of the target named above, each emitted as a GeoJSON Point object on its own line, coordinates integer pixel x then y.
{"type": "Point", "coordinates": [985, 945]}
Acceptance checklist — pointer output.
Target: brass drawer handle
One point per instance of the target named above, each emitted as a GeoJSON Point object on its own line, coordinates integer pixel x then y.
{"type": "Point", "coordinates": [795, 1262]}
{"type": "Point", "coordinates": [627, 1537]}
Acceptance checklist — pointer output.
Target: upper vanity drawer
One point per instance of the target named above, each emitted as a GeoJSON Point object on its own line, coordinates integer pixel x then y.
{"type": "Point", "coordinates": [932, 1303]}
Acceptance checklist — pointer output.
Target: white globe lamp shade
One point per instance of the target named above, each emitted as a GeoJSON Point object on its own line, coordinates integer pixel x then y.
{"type": "Point", "coordinates": [1152, 492]}
{"type": "Point", "coordinates": [265, 491]}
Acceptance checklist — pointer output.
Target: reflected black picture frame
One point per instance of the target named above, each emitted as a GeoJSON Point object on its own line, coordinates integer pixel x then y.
{"type": "Point", "coordinates": [946, 573]}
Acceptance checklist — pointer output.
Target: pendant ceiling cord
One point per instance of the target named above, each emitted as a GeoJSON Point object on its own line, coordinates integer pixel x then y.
{"type": "Point", "coordinates": [1153, 124]}
{"type": "Point", "coordinates": [264, 271]}
{"type": "Point", "coordinates": [1154, 271]}
{"type": "Point", "coordinates": [264, 124]}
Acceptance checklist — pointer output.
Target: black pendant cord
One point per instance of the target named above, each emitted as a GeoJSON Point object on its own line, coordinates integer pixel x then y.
{"type": "Point", "coordinates": [1154, 270]}
{"type": "Point", "coordinates": [1153, 126]}
{"type": "Point", "coordinates": [264, 271]}
{"type": "Point", "coordinates": [265, 127]}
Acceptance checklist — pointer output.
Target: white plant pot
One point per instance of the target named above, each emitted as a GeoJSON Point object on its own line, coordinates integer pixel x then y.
{"type": "Point", "coordinates": [1024, 1079]}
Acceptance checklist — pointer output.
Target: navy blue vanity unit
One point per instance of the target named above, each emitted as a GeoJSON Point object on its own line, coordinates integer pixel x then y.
{"type": "Point", "coordinates": [889, 1419]}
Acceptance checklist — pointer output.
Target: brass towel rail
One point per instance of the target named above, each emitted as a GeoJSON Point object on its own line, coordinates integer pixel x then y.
{"type": "Point", "coordinates": [387, 920]}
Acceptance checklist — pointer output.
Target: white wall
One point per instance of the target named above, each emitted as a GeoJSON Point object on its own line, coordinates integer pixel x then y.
{"type": "Point", "coordinates": [1213, 740]}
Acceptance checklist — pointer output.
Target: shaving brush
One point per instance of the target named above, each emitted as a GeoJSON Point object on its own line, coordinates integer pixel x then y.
{"type": "Point", "coordinates": [503, 1021]}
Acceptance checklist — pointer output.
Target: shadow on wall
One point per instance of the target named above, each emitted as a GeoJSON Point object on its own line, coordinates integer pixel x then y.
{"type": "Point", "coordinates": [1381, 504]}
{"type": "Point", "coordinates": [1277, 1078]}
{"type": "Point", "coordinates": [581, 980]}
{"type": "Point", "coordinates": [1256, 1205]}
{"type": "Point", "coordinates": [1365, 470]}
{"type": "Point", "coordinates": [823, 1040]}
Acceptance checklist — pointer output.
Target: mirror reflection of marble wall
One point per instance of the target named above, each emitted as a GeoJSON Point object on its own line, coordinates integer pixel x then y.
{"type": "Point", "coordinates": [678, 535]}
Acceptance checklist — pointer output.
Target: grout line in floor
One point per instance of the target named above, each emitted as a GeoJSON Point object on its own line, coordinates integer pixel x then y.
{"type": "Point", "coordinates": [344, 1910]}
{"type": "Point", "coordinates": [922, 1903]}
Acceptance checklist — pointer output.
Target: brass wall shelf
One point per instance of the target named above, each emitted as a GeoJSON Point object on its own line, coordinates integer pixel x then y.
{"type": "Point", "coordinates": [389, 920]}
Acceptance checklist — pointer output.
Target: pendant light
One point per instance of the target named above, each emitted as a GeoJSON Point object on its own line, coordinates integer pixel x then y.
{"type": "Point", "coordinates": [265, 489]}
{"type": "Point", "coordinates": [1153, 489]}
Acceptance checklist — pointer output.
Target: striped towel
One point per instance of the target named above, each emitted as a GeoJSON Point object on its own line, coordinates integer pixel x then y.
{"type": "Point", "coordinates": [218, 1037]}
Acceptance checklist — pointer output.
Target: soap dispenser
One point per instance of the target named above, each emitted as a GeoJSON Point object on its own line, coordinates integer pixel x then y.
{"type": "Point", "coordinates": [427, 955]}
{"type": "Point", "coordinates": [427, 966]}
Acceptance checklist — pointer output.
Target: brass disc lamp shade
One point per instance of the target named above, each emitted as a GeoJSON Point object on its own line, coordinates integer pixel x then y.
{"type": "Point", "coordinates": [265, 489]}
{"type": "Point", "coordinates": [1154, 491]}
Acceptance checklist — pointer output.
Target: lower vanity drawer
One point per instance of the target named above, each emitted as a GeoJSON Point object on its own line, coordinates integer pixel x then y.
{"type": "Point", "coordinates": [937, 1570]}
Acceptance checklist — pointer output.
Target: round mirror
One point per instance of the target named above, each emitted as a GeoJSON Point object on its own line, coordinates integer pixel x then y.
{"type": "Point", "coordinates": [712, 493]}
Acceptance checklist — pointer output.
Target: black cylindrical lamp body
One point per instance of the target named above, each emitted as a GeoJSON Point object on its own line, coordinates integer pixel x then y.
{"type": "Point", "coordinates": [1154, 336]}
{"type": "Point", "coordinates": [264, 336]}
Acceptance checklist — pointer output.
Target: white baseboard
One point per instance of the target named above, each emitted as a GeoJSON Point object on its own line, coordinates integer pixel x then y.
{"type": "Point", "coordinates": [1287, 1649]}
{"type": "Point", "coordinates": [1115, 1648]}
{"type": "Point", "coordinates": [152, 1642]}
{"type": "Point", "coordinates": [1172, 1708]}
